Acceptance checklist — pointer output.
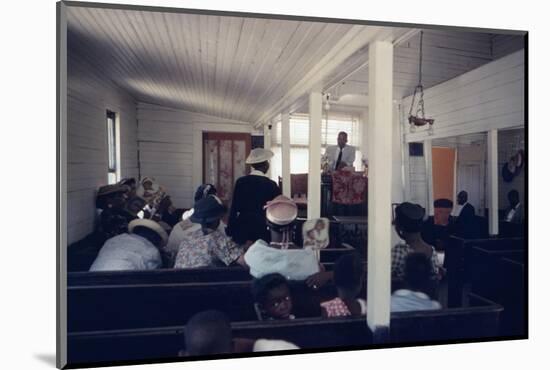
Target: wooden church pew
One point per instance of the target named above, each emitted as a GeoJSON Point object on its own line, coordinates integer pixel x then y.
{"type": "Point", "coordinates": [458, 257]}
{"type": "Point", "coordinates": [165, 342]}
{"type": "Point", "coordinates": [499, 276]}
{"type": "Point", "coordinates": [312, 333]}
{"type": "Point", "coordinates": [513, 294]}
{"type": "Point", "coordinates": [104, 307]}
{"type": "Point", "coordinates": [486, 272]}
{"type": "Point", "coordinates": [165, 276]}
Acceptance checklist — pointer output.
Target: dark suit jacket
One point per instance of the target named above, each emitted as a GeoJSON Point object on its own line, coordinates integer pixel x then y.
{"type": "Point", "coordinates": [247, 215]}
{"type": "Point", "coordinates": [464, 225]}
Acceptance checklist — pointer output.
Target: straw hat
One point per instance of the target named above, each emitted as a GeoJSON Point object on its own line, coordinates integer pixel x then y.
{"type": "Point", "coordinates": [281, 210]}
{"type": "Point", "coordinates": [259, 155]}
{"type": "Point", "coordinates": [150, 224]}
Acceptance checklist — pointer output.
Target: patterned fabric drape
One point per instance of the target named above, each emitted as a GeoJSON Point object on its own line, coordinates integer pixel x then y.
{"type": "Point", "coordinates": [348, 187]}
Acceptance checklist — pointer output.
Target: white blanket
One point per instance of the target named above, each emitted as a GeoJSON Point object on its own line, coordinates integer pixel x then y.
{"type": "Point", "coordinates": [294, 264]}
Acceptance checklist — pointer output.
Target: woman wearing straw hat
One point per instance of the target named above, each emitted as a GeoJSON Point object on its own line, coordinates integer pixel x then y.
{"type": "Point", "coordinates": [251, 193]}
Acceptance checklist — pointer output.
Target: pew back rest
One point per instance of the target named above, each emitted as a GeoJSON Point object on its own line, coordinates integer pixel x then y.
{"type": "Point", "coordinates": [458, 253]}
{"type": "Point", "coordinates": [166, 342]}
{"type": "Point", "coordinates": [478, 321]}
{"type": "Point", "coordinates": [315, 333]}
{"type": "Point", "coordinates": [105, 307]}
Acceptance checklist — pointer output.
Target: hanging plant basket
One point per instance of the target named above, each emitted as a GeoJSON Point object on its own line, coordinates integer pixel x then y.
{"type": "Point", "coordinates": [419, 119]}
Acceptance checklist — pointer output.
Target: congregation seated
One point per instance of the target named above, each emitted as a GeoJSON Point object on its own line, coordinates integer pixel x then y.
{"type": "Point", "coordinates": [136, 250]}
{"type": "Point", "coordinates": [272, 299]}
{"type": "Point", "coordinates": [210, 333]}
{"type": "Point", "coordinates": [208, 246]}
{"type": "Point", "coordinates": [348, 278]}
{"type": "Point", "coordinates": [408, 225]}
{"type": "Point", "coordinates": [418, 284]}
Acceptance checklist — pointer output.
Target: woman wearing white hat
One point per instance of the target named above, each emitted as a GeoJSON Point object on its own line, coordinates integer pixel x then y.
{"type": "Point", "coordinates": [251, 193]}
{"type": "Point", "coordinates": [281, 255]}
{"type": "Point", "coordinates": [136, 250]}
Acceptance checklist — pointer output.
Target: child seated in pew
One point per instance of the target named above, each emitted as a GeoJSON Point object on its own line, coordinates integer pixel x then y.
{"type": "Point", "coordinates": [209, 333]}
{"type": "Point", "coordinates": [272, 298]}
{"type": "Point", "coordinates": [348, 278]}
{"type": "Point", "coordinates": [418, 284]}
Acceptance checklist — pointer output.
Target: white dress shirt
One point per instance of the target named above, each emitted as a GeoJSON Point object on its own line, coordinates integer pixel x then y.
{"type": "Point", "coordinates": [333, 151]}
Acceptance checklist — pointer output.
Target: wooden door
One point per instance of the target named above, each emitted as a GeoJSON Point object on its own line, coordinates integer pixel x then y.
{"type": "Point", "coordinates": [443, 173]}
{"type": "Point", "coordinates": [224, 156]}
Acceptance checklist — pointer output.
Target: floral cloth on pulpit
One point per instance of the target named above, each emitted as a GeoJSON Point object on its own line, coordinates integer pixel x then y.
{"type": "Point", "coordinates": [348, 187]}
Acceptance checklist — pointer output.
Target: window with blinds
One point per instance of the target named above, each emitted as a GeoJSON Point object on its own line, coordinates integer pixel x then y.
{"type": "Point", "coordinates": [299, 141]}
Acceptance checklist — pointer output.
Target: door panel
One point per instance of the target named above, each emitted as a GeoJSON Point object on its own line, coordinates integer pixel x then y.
{"type": "Point", "coordinates": [224, 160]}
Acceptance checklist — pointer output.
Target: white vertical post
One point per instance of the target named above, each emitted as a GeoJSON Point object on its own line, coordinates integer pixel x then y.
{"type": "Point", "coordinates": [314, 173]}
{"type": "Point", "coordinates": [429, 177]}
{"type": "Point", "coordinates": [285, 153]}
{"type": "Point", "coordinates": [267, 142]}
{"type": "Point", "coordinates": [61, 263]}
{"type": "Point", "coordinates": [492, 180]}
{"type": "Point", "coordinates": [380, 184]}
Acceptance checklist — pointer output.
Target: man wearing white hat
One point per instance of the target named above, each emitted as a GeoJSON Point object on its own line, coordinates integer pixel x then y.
{"type": "Point", "coordinates": [136, 250]}
{"type": "Point", "coordinates": [251, 193]}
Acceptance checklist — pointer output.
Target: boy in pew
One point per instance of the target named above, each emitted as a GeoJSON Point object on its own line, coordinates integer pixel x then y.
{"type": "Point", "coordinates": [136, 250]}
{"type": "Point", "coordinates": [418, 284]}
{"type": "Point", "coordinates": [209, 333]}
{"type": "Point", "coordinates": [272, 298]}
{"type": "Point", "coordinates": [348, 277]}
{"type": "Point", "coordinates": [208, 246]}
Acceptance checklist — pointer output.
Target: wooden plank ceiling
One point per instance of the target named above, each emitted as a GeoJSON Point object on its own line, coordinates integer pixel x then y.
{"type": "Point", "coordinates": [230, 67]}
{"type": "Point", "coordinates": [250, 69]}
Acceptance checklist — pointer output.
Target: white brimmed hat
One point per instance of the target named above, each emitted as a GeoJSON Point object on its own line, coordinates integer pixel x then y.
{"type": "Point", "coordinates": [281, 210]}
{"type": "Point", "coordinates": [259, 155]}
{"type": "Point", "coordinates": [150, 224]}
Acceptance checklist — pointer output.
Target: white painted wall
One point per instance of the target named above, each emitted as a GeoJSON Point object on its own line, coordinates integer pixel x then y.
{"type": "Point", "coordinates": [170, 144]}
{"type": "Point", "coordinates": [489, 97]}
{"type": "Point", "coordinates": [89, 97]}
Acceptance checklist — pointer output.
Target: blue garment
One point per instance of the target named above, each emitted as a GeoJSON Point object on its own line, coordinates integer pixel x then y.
{"type": "Point", "coordinates": [407, 300]}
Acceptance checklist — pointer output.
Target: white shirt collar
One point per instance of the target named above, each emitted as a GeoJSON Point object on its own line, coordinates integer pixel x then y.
{"type": "Point", "coordinates": [257, 173]}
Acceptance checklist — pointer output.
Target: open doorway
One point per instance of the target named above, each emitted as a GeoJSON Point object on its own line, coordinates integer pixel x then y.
{"type": "Point", "coordinates": [463, 170]}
